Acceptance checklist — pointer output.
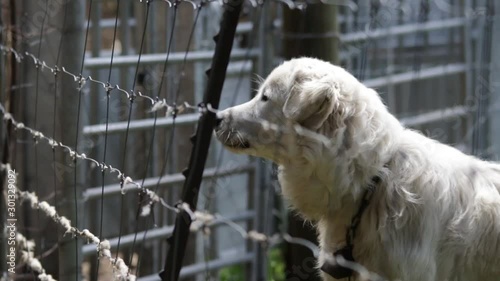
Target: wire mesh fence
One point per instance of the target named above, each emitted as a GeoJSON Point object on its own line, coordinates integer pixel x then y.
{"type": "Point", "coordinates": [99, 100]}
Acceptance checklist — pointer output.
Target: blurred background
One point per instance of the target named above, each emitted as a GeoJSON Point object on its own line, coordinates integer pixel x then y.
{"type": "Point", "coordinates": [432, 61]}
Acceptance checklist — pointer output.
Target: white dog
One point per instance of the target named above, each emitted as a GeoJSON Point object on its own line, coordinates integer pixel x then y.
{"type": "Point", "coordinates": [432, 213]}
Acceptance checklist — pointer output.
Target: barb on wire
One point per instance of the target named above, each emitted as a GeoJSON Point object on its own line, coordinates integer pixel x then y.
{"type": "Point", "coordinates": [81, 81]}
{"type": "Point", "coordinates": [26, 247]}
{"type": "Point", "coordinates": [126, 180]}
{"type": "Point", "coordinates": [203, 220]}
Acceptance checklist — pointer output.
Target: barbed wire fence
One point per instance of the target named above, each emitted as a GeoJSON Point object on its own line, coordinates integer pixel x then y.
{"type": "Point", "coordinates": [152, 97]}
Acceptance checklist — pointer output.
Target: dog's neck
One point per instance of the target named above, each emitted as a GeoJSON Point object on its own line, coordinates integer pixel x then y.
{"type": "Point", "coordinates": [333, 177]}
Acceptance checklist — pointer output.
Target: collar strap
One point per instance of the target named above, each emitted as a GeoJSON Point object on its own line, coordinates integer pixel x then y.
{"type": "Point", "coordinates": [365, 201]}
{"type": "Point", "coordinates": [334, 269]}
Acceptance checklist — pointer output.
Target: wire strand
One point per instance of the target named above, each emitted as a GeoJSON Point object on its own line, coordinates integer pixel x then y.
{"type": "Point", "coordinates": [150, 151]}
{"type": "Point", "coordinates": [55, 108]}
{"type": "Point", "coordinates": [148, 6]}
{"type": "Point", "coordinates": [108, 90]}
{"type": "Point", "coordinates": [37, 93]}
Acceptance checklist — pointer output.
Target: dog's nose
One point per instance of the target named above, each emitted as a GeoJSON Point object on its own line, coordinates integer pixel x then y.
{"type": "Point", "coordinates": [217, 122]}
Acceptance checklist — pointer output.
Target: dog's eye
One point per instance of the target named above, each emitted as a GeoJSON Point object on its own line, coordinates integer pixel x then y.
{"type": "Point", "coordinates": [264, 98]}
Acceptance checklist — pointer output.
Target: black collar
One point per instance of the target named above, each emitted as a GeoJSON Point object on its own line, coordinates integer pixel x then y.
{"type": "Point", "coordinates": [331, 267]}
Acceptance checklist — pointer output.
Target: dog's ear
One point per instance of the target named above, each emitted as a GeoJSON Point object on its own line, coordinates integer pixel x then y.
{"type": "Point", "coordinates": [311, 102]}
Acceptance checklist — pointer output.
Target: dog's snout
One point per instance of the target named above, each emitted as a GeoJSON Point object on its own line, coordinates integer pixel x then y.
{"type": "Point", "coordinates": [219, 118]}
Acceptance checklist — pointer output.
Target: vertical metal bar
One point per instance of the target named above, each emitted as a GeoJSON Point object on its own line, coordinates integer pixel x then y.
{"type": "Point", "coordinates": [152, 42]}
{"type": "Point", "coordinates": [95, 91]}
{"type": "Point", "coordinates": [469, 74]}
{"type": "Point", "coordinates": [96, 29]}
{"type": "Point", "coordinates": [201, 140]}
{"type": "Point", "coordinates": [454, 37]}
{"type": "Point", "coordinates": [494, 79]}
{"type": "Point", "coordinates": [72, 48]}
{"type": "Point", "coordinates": [349, 27]}
{"type": "Point", "coordinates": [391, 98]}
{"type": "Point", "coordinates": [478, 47]}
{"type": "Point", "coordinates": [483, 95]}
{"type": "Point", "coordinates": [199, 84]}
{"type": "Point", "coordinates": [125, 42]}
{"type": "Point", "coordinates": [198, 66]}
{"type": "Point", "coordinates": [373, 21]}
{"type": "Point", "coordinates": [95, 115]}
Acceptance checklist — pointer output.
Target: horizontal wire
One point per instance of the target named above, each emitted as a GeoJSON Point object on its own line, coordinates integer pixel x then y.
{"type": "Point", "coordinates": [37, 136]}
{"type": "Point", "coordinates": [81, 81]}
{"type": "Point", "coordinates": [292, 4]}
{"type": "Point", "coordinates": [204, 220]}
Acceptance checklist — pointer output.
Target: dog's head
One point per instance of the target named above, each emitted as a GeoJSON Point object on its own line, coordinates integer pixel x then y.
{"type": "Point", "coordinates": [303, 92]}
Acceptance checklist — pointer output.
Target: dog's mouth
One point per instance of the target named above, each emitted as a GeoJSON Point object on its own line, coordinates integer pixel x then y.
{"type": "Point", "coordinates": [238, 145]}
{"type": "Point", "coordinates": [232, 139]}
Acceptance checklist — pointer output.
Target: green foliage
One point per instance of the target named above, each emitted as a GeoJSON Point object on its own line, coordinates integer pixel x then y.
{"type": "Point", "coordinates": [275, 269]}
{"type": "Point", "coordinates": [232, 273]}
{"type": "Point", "coordinates": [276, 265]}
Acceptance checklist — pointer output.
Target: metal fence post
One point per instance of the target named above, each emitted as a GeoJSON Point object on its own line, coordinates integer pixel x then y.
{"type": "Point", "coordinates": [201, 140]}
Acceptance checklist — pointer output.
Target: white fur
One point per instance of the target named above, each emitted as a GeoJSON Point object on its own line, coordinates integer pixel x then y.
{"type": "Point", "coordinates": [434, 217]}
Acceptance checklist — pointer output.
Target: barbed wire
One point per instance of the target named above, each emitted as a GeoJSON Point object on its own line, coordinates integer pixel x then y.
{"type": "Point", "coordinates": [201, 221]}
{"type": "Point", "coordinates": [205, 218]}
{"type": "Point", "coordinates": [81, 81]}
{"type": "Point", "coordinates": [28, 258]}
{"type": "Point", "coordinates": [125, 180]}
{"type": "Point", "coordinates": [103, 246]}
{"type": "Point", "coordinates": [291, 4]}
